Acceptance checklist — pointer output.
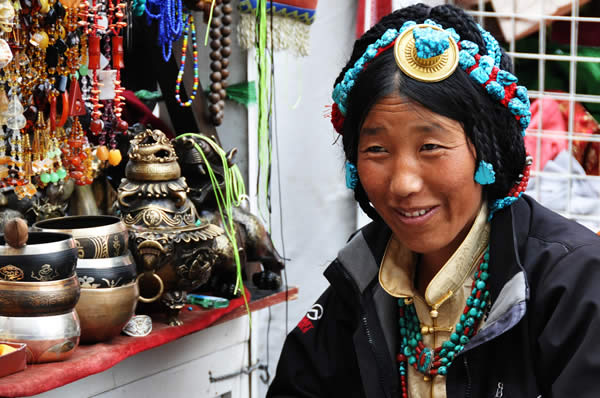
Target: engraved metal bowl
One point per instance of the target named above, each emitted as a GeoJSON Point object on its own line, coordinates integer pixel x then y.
{"type": "Point", "coordinates": [106, 272]}
{"type": "Point", "coordinates": [96, 236]}
{"type": "Point", "coordinates": [48, 338]}
{"type": "Point", "coordinates": [47, 256]}
{"type": "Point", "coordinates": [104, 312]}
{"type": "Point", "coordinates": [28, 299]}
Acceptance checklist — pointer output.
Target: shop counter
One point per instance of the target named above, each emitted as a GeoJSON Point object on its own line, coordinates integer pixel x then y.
{"type": "Point", "coordinates": [210, 355]}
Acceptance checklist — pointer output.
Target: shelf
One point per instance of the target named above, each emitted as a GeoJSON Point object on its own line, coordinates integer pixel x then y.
{"type": "Point", "coordinates": [95, 358]}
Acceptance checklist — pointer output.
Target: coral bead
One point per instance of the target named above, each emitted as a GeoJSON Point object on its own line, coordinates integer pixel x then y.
{"type": "Point", "coordinates": [96, 126]}
{"type": "Point", "coordinates": [114, 157]}
{"type": "Point", "coordinates": [102, 153]}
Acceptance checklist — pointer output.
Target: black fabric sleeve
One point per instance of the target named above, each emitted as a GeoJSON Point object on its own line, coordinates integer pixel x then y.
{"type": "Point", "coordinates": [318, 357]}
{"type": "Point", "coordinates": [567, 304]}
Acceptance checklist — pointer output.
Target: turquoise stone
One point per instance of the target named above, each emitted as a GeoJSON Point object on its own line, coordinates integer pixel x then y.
{"type": "Point", "coordinates": [476, 302]}
{"type": "Point", "coordinates": [448, 344]}
{"type": "Point", "coordinates": [459, 328]}
{"type": "Point", "coordinates": [486, 256]}
{"type": "Point", "coordinates": [444, 360]}
{"type": "Point", "coordinates": [484, 266]}
{"type": "Point", "coordinates": [400, 302]}
{"type": "Point", "coordinates": [480, 285]}
{"type": "Point", "coordinates": [412, 343]}
{"type": "Point", "coordinates": [412, 360]}
{"type": "Point", "coordinates": [403, 331]}
{"type": "Point", "coordinates": [470, 322]}
{"type": "Point", "coordinates": [442, 370]}
{"type": "Point", "coordinates": [473, 312]}
{"type": "Point", "coordinates": [464, 339]}
{"type": "Point", "coordinates": [484, 276]}
{"type": "Point", "coordinates": [470, 301]}
{"type": "Point", "coordinates": [407, 351]}
{"type": "Point", "coordinates": [454, 338]}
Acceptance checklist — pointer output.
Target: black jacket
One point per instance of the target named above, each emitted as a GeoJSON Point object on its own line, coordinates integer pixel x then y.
{"type": "Point", "coordinates": [541, 337]}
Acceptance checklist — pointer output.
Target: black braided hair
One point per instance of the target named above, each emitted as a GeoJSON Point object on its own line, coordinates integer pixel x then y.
{"type": "Point", "coordinates": [491, 127]}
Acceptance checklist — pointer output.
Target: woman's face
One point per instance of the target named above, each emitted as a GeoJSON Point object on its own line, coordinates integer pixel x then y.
{"type": "Point", "coordinates": [417, 169]}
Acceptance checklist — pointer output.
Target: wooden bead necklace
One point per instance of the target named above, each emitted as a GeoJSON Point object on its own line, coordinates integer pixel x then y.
{"type": "Point", "coordinates": [220, 44]}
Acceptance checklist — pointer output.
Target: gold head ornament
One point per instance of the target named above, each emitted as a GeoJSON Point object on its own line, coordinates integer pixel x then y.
{"type": "Point", "coordinates": [432, 69]}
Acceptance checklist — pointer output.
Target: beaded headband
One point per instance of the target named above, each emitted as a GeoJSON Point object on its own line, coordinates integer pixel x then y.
{"type": "Point", "coordinates": [429, 53]}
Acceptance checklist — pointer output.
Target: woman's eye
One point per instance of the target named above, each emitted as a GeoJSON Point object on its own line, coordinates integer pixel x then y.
{"type": "Point", "coordinates": [375, 148]}
{"type": "Point", "coordinates": [430, 147]}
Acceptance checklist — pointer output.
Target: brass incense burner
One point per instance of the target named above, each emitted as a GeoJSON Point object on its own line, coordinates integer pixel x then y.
{"type": "Point", "coordinates": [175, 249]}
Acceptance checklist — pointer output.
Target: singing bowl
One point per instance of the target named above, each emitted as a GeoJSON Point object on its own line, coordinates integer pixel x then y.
{"type": "Point", "coordinates": [96, 236]}
{"type": "Point", "coordinates": [106, 272]}
{"type": "Point", "coordinates": [30, 299]}
{"type": "Point", "coordinates": [47, 256]}
{"type": "Point", "coordinates": [48, 338]}
{"type": "Point", "coordinates": [104, 312]}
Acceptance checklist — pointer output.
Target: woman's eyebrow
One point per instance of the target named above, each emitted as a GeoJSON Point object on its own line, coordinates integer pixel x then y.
{"type": "Point", "coordinates": [370, 130]}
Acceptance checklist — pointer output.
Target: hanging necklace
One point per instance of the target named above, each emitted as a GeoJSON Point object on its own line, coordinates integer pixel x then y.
{"type": "Point", "coordinates": [436, 361]}
{"type": "Point", "coordinates": [220, 45]}
{"type": "Point", "coordinates": [168, 14]}
{"type": "Point", "coordinates": [189, 27]}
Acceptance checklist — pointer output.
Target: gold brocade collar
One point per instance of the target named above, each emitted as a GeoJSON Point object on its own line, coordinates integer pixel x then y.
{"type": "Point", "coordinates": [397, 271]}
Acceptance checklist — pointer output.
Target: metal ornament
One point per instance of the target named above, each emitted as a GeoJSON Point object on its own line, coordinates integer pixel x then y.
{"type": "Point", "coordinates": [433, 69]}
{"type": "Point", "coordinates": [138, 326]}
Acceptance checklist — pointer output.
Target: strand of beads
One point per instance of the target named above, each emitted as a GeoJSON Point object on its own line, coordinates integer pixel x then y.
{"type": "Point", "coordinates": [436, 361]}
{"type": "Point", "coordinates": [189, 27]}
{"type": "Point", "coordinates": [219, 32]}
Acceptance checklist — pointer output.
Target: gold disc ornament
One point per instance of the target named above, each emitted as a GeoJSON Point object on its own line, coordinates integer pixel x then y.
{"type": "Point", "coordinates": [432, 69]}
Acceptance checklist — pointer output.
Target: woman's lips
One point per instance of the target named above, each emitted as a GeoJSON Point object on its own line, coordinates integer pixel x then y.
{"type": "Point", "coordinates": [416, 216]}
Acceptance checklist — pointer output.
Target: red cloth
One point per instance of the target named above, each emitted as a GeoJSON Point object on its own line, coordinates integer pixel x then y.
{"type": "Point", "coordinates": [91, 359]}
{"type": "Point", "coordinates": [135, 111]}
{"type": "Point", "coordinates": [555, 119]}
{"type": "Point", "coordinates": [552, 120]}
{"type": "Point", "coordinates": [369, 13]}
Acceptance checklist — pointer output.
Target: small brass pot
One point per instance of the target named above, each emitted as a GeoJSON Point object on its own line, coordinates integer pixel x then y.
{"type": "Point", "coordinates": [106, 272]}
{"type": "Point", "coordinates": [48, 338]}
{"type": "Point", "coordinates": [38, 298]}
{"type": "Point", "coordinates": [104, 312]}
{"type": "Point", "coordinates": [47, 256]}
{"type": "Point", "coordinates": [96, 236]}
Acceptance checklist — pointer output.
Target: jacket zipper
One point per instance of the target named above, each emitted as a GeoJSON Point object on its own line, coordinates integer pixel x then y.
{"type": "Point", "coordinates": [468, 389]}
{"type": "Point", "coordinates": [364, 320]}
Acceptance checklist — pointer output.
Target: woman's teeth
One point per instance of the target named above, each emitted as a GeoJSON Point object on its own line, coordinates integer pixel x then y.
{"type": "Point", "coordinates": [414, 213]}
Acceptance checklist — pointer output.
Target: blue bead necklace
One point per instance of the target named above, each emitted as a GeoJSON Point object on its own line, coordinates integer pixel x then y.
{"type": "Point", "coordinates": [169, 16]}
{"type": "Point", "coordinates": [436, 361]}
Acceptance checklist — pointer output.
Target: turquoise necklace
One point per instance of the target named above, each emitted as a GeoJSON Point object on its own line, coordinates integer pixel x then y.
{"type": "Point", "coordinates": [436, 361]}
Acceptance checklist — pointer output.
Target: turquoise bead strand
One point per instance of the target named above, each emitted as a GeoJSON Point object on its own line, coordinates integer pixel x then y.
{"type": "Point", "coordinates": [436, 361]}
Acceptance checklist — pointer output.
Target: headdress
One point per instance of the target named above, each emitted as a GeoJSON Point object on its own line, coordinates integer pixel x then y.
{"type": "Point", "coordinates": [427, 52]}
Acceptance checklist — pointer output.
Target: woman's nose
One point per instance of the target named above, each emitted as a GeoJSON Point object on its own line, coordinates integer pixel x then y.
{"type": "Point", "coordinates": [406, 179]}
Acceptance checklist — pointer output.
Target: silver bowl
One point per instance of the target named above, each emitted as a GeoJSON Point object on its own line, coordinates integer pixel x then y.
{"type": "Point", "coordinates": [48, 338]}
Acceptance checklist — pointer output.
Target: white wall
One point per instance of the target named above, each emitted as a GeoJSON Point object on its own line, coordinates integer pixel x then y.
{"type": "Point", "coordinates": [318, 211]}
